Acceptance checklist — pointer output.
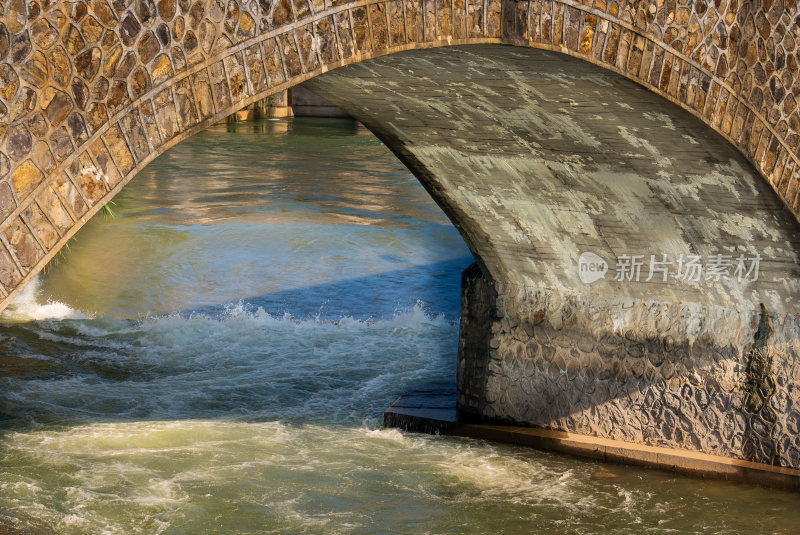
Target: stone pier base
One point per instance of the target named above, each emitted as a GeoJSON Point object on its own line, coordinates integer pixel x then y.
{"type": "Point", "coordinates": [529, 358]}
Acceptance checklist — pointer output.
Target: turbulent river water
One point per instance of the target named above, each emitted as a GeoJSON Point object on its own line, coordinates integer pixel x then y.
{"type": "Point", "coordinates": [214, 357]}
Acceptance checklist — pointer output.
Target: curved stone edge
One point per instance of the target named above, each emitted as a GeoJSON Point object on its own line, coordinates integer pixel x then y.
{"type": "Point", "coordinates": [432, 411]}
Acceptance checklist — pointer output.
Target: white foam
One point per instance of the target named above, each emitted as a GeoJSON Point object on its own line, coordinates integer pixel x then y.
{"type": "Point", "coordinates": [26, 307]}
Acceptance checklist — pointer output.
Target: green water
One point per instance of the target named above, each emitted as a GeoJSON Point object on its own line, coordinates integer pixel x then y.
{"type": "Point", "coordinates": [215, 359]}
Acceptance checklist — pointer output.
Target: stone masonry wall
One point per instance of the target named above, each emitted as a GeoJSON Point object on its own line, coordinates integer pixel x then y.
{"type": "Point", "coordinates": [524, 369]}
{"type": "Point", "coordinates": [93, 90]}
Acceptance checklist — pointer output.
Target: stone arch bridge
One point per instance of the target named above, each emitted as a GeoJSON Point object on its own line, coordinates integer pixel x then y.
{"type": "Point", "coordinates": [625, 172]}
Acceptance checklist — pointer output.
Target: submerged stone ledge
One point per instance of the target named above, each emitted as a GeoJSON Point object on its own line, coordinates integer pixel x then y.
{"type": "Point", "coordinates": [432, 410]}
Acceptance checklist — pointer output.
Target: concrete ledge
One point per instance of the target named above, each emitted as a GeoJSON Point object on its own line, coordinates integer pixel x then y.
{"type": "Point", "coordinates": [432, 410]}
{"type": "Point", "coordinates": [318, 111]}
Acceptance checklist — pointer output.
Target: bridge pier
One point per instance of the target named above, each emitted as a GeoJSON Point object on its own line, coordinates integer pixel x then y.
{"type": "Point", "coordinates": [525, 360]}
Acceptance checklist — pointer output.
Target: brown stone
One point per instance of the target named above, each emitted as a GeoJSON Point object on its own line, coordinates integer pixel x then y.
{"type": "Point", "coordinates": [166, 8]}
{"type": "Point", "coordinates": [90, 180]}
{"type": "Point", "coordinates": [36, 70]}
{"type": "Point", "coordinates": [238, 81]}
{"type": "Point", "coordinates": [15, 16]}
{"type": "Point", "coordinates": [37, 125]}
{"type": "Point", "coordinates": [305, 43]}
{"type": "Point", "coordinates": [43, 34]}
{"type": "Point", "coordinates": [326, 39]}
{"type": "Point", "coordinates": [43, 157]}
{"type": "Point", "coordinates": [185, 106]}
{"type": "Point", "coordinates": [178, 28]}
{"type": "Point", "coordinates": [23, 244]}
{"type": "Point", "coordinates": [361, 29]}
{"type": "Point", "coordinates": [129, 29]}
{"type": "Point", "coordinates": [247, 26]}
{"type": "Point", "coordinates": [119, 151]}
{"type": "Point", "coordinates": [9, 274]}
{"type": "Point", "coordinates": [97, 115]}
{"type": "Point", "coordinates": [203, 95]}
{"type": "Point", "coordinates": [345, 35]}
{"type": "Point", "coordinates": [231, 16]}
{"type": "Point", "coordinates": [25, 176]}
{"type": "Point", "coordinates": [139, 83]}
{"type": "Point", "coordinates": [150, 125]}
{"type": "Point", "coordinates": [5, 42]}
{"type": "Point", "coordinates": [145, 10]}
{"type": "Point", "coordinates": [61, 66]}
{"type": "Point", "coordinates": [92, 31]}
{"type": "Point", "coordinates": [24, 104]}
{"type": "Point", "coordinates": [87, 64]}
{"type": "Point", "coordinates": [69, 193]}
{"type": "Point", "coordinates": [273, 62]}
{"type": "Point", "coordinates": [178, 59]}
{"type": "Point", "coordinates": [282, 13]}
{"type": "Point", "coordinates": [19, 142]}
{"type": "Point", "coordinates": [163, 33]}
{"type": "Point", "coordinates": [196, 15]}
{"type": "Point", "coordinates": [44, 230]}
{"type": "Point", "coordinates": [51, 205]}
{"type": "Point", "coordinates": [77, 129]}
{"type": "Point", "coordinates": [587, 35]}
{"type": "Point", "coordinates": [61, 144]}
{"type": "Point", "coordinates": [9, 82]}
{"type": "Point", "coordinates": [165, 114]}
{"type": "Point", "coordinates": [100, 88]}
{"type": "Point", "coordinates": [58, 106]}
{"type": "Point", "coordinates": [136, 135]}
{"type": "Point", "coordinates": [125, 66]}
{"type": "Point", "coordinates": [74, 41]}
{"type": "Point", "coordinates": [5, 164]}
{"type": "Point", "coordinates": [190, 42]}
{"type": "Point", "coordinates": [148, 47]}
{"type": "Point", "coordinates": [105, 164]}
{"type": "Point", "coordinates": [118, 96]}
{"type": "Point", "coordinates": [104, 13]}
{"type": "Point", "coordinates": [111, 61]}
{"type": "Point", "coordinates": [291, 59]}
{"type": "Point", "coordinates": [161, 68]}
{"type": "Point", "coordinates": [255, 68]}
{"type": "Point", "coordinates": [7, 203]}
{"type": "Point", "coordinates": [20, 47]}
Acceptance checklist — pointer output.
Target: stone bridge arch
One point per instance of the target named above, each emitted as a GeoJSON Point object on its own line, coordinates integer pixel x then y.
{"type": "Point", "coordinates": [93, 90]}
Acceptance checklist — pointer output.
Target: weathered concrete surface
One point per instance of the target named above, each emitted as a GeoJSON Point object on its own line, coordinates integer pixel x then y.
{"type": "Point", "coordinates": [432, 409]}
{"type": "Point", "coordinates": [543, 158]}
{"type": "Point", "coordinates": [93, 90]}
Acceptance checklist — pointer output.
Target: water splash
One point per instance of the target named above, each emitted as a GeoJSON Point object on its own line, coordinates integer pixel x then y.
{"type": "Point", "coordinates": [27, 306]}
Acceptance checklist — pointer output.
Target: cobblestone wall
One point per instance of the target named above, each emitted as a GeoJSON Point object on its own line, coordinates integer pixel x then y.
{"type": "Point", "coordinates": [92, 90]}
{"type": "Point", "coordinates": [652, 390]}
